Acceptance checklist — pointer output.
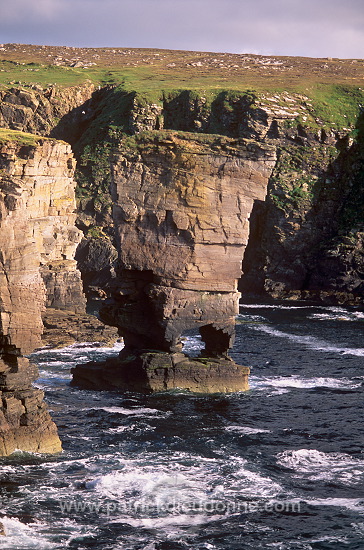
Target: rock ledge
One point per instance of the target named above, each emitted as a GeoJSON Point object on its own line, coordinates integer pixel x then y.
{"type": "Point", "coordinates": [152, 371]}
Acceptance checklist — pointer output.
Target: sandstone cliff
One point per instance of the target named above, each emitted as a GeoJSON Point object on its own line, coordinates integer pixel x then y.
{"type": "Point", "coordinates": [182, 205]}
{"type": "Point", "coordinates": [42, 110]}
{"type": "Point", "coordinates": [38, 240]}
{"type": "Point", "coordinates": [283, 188]}
{"type": "Point", "coordinates": [308, 242]}
{"type": "Point", "coordinates": [306, 238]}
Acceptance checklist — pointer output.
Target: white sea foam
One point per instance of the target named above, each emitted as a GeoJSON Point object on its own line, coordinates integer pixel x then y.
{"type": "Point", "coordinates": [55, 364]}
{"type": "Point", "coordinates": [294, 381]}
{"type": "Point", "coordinates": [326, 313]}
{"type": "Point", "coordinates": [39, 535]}
{"type": "Point", "coordinates": [56, 375]}
{"type": "Point", "coordinates": [266, 385]}
{"type": "Point", "coordinates": [67, 357]}
{"type": "Point", "coordinates": [21, 536]}
{"type": "Point", "coordinates": [83, 347]}
{"type": "Point", "coordinates": [255, 485]}
{"type": "Point", "coordinates": [295, 545]}
{"type": "Point", "coordinates": [338, 314]}
{"type": "Point", "coordinates": [152, 481]}
{"type": "Point", "coordinates": [249, 319]}
{"type": "Point", "coordinates": [119, 429]}
{"type": "Point", "coordinates": [192, 344]}
{"type": "Point", "coordinates": [309, 341]}
{"type": "Point", "coordinates": [316, 465]}
{"type": "Point", "coordinates": [289, 545]}
{"type": "Point", "coordinates": [355, 504]}
{"type": "Point", "coordinates": [329, 317]}
{"type": "Point", "coordinates": [174, 524]}
{"type": "Point", "coordinates": [246, 430]}
{"type": "Point", "coordinates": [141, 411]}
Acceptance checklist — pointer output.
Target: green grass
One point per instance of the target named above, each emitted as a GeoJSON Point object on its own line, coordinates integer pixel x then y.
{"type": "Point", "coordinates": [337, 105]}
{"type": "Point", "coordinates": [135, 73]}
{"type": "Point", "coordinates": [331, 91]}
{"type": "Point", "coordinates": [21, 138]}
{"type": "Point", "coordinates": [332, 85]}
{"type": "Point", "coordinates": [13, 74]}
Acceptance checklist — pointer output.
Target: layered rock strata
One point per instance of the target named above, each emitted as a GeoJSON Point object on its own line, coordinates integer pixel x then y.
{"type": "Point", "coordinates": [306, 242]}
{"type": "Point", "coordinates": [36, 232]}
{"type": "Point", "coordinates": [63, 328]}
{"type": "Point", "coordinates": [41, 110]}
{"type": "Point", "coordinates": [181, 211]}
{"type": "Point", "coordinates": [307, 238]}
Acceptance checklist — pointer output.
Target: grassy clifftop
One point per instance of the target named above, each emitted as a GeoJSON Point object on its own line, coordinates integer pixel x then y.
{"type": "Point", "coordinates": [149, 70]}
{"type": "Point", "coordinates": [335, 86]}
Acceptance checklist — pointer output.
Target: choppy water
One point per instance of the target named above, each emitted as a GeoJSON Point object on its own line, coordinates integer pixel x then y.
{"type": "Point", "coordinates": [278, 467]}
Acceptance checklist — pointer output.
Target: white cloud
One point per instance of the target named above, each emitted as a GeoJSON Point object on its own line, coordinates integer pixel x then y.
{"type": "Point", "coordinates": [14, 11]}
{"type": "Point", "coordinates": [320, 28]}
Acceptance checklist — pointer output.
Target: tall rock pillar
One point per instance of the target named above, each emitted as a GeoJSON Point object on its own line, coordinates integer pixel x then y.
{"type": "Point", "coordinates": [181, 209]}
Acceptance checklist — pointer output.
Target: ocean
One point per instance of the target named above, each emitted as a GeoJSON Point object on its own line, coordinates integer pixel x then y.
{"type": "Point", "coordinates": [278, 467]}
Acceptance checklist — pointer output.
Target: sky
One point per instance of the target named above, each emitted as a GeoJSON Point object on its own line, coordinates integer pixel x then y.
{"type": "Point", "coordinates": [312, 28]}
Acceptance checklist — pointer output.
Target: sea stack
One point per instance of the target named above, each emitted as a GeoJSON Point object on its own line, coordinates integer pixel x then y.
{"type": "Point", "coordinates": [181, 213]}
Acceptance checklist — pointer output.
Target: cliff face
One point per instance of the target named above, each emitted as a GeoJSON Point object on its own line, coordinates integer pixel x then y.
{"type": "Point", "coordinates": [43, 176]}
{"type": "Point", "coordinates": [306, 240]}
{"type": "Point", "coordinates": [300, 244]}
{"type": "Point", "coordinates": [41, 111]}
{"type": "Point", "coordinates": [66, 113]}
{"type": "Point", "coordinates": [36, 237]}
{"type": "Point", "coordinates": [199, 180]}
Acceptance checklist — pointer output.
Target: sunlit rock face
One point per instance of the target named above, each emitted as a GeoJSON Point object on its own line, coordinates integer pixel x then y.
{"type": "Point", "coordinates": [181, 213]}
{"type": "Point", "coordinates": [37, 235]}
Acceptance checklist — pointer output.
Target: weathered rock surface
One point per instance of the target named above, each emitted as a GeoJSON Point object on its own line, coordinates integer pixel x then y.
{"type": "Point", "coordinates": [43, 177]}
{"type": "Point", "coordinates": [63, 328]}
{"type": "Point", "coordinates": [181, 209]}
{"type": "Point", "coordinates": [151, 371]}
{"type": "Point", "coordinates": [311, 157]}
{"type": "Point", "coordinates": [278, 265]}
{"type": "Point", "coordinates": [96, 259]}
{"type": "Point", "coordinates": [36, 219]}
{"type": "Point", "coordinates": [40, 111]}
{"type": "Point", "coordinates": [307, 237]}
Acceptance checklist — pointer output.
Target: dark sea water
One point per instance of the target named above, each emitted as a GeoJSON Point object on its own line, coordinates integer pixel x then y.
{"type": "Point", "coordinates": [278, 467]}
